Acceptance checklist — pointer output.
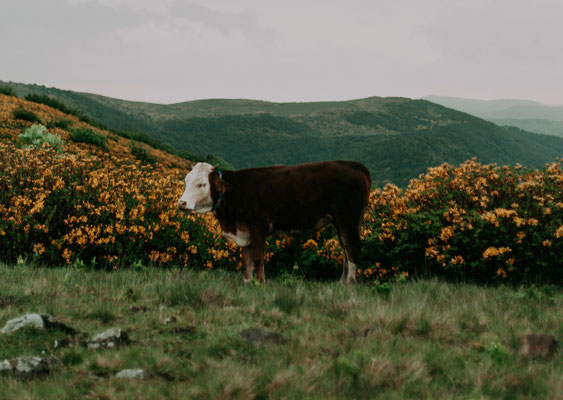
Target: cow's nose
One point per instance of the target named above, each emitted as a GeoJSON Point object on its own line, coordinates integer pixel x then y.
{"type": "Point", "coordinates": [182, 205]}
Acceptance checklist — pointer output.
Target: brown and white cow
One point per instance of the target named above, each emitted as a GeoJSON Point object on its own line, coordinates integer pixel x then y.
{"type": "Point", "coordinates": [251, 203]}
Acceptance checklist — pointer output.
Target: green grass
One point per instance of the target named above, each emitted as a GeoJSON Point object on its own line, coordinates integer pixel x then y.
{"type": "Point", "coordinates": [424, 339]}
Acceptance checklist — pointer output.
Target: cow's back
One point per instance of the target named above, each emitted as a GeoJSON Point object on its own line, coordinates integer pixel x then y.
{"type": "Point", "coordinates": [300, 196]}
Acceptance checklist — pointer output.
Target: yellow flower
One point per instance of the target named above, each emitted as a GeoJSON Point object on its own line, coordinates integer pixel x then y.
{"type": "Point", "coordinates": [501, 272]}
{"type": "Point", "coordinates": [67, 253]}
{"type": "Point", "coordinates": [447, 233]}
{"type": "Point", "coordinates": [458, 260]}
{"type": "Point", "coordinates": [38, 248]}
{"type": "Point", "coordinates": [493, 251]}
{"type": "Point", "coordinates": [310, 245]}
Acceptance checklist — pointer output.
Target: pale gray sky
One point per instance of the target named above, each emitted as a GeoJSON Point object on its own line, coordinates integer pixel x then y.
{"type": "Point", "coordinates": [292, 50]}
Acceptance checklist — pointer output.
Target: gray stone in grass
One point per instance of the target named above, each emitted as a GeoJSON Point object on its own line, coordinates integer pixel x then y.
{"type": "Point", "coordinates": [260, 337]}
{"type": "Point", "coordinates": [109, 339]}
{"type": "Point", "coordinates": [131, 374]}
{"type": "Point", "coordinates": [29, 366]}
{"type": "Point", "coordinates": [538, 346]}
{"type": "Point", "coordinates": [36, 321]}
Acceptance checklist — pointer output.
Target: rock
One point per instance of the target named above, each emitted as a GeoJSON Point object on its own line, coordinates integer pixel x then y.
{"type": "Point", "coordinates": [25, 367]}
{"type": "Point", "coordinates": [131, 374]}
{"type": "Point", "coordinates": [257, 336]}
{"type": "Point", "coordinates": [109, 339]}
{"type": "Point", "coordinates": [538, 346]}
{"type": "Point", "coordinates": [36, 321]}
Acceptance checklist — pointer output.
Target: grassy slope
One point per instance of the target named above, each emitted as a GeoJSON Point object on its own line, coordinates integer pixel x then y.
{"type": "Point", "coordinates": [421, 340]}
{"type": "Point", "coordinates": [396, 138]}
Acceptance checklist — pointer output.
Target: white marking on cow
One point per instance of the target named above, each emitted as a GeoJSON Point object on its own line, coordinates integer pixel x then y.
{"type": "Point", "coordinates": [241, 238]}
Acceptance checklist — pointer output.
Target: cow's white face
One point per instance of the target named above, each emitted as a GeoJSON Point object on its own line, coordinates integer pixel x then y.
{"type": "Point", "coordinates": [197, 195]}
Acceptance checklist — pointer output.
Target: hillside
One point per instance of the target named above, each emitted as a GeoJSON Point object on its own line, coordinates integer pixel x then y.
{"type": "Point", "coordinates": [529, 115]}
{"type": "Point", "coordinates": [397, 138]}
{"type": "Point", "coordinates": [16, 115]}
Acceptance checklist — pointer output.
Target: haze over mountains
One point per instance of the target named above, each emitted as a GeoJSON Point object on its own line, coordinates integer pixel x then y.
{"type": "Point", "coordinates": [525, 114]}
{"type": "Point", "coordinates": [397, 138]}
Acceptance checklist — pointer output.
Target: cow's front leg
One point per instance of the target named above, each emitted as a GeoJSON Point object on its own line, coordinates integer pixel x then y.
{"type": "Point", "coordinates": [248, 259]}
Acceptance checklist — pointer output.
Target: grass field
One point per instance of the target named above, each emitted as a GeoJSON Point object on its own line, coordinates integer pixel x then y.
{"type": "Point", "coordinates": [424, 339]}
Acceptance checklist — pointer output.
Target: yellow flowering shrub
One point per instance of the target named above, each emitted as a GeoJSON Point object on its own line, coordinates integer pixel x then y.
{"type": "Point", "coordinates": [481, 222]}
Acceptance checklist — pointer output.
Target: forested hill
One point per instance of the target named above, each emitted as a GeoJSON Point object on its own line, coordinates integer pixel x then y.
{"type": "Point", "coordinates": [397, 138]}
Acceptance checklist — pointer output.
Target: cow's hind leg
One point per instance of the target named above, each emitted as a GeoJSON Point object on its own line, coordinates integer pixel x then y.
{"type": "Point", "coordinates": [344, 259]}
{"type": "Point", "coordinates": [258, 252]}
{"type": "Point", "coordinates": [248, 260]}
{"type": "Point", "coordinates": [351, 247]}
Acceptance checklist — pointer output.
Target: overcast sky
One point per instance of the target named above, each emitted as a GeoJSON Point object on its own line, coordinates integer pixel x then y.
{"type": "Point", "coordinates": [168, 51]}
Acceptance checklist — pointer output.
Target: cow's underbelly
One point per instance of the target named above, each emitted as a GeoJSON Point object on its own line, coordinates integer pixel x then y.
{"type": "Point", "coordinates": [242, 237]}
{"type": "Point", "coordinates": [309, 225]}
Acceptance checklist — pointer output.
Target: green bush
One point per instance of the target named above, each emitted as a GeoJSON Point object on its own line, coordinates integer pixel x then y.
{"type": "Point", "coordinates": [7, 90]}
{"type": "Point", "coordinates": [51, 102]}
{"type": "Point", "coordinates": [59, 105]}
{"type": "Point", "coordinates": [84, 135]}
{"type": "Point", "coordinates": [61, 123]}
{"type": "Point", "coordinates": [142, 154]}
{"type": "Point", "coordinates": [26, 115]}
{"type": "Point", "coordinates": [144, 138]}
{"type": "Point", "coordinates": [36, 135]}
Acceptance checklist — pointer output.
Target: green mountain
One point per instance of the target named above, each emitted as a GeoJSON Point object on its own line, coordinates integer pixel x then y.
{"type": "Point", "coordinates": [397, 138]}
{"type": "Point", "coordinates": [528, 115]}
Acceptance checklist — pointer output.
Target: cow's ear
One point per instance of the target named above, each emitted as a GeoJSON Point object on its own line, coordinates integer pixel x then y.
{"type": "Point", "coordinates": [217, 183]}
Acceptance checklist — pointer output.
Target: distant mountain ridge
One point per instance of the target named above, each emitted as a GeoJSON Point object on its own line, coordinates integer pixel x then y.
{"type": "Point", "coordinates": [525, 114]}
{"type": "Point", "coordinates": [397, 138]}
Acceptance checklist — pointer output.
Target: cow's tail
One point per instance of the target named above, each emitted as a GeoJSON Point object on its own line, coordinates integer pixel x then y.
{"type": "Point", "coordinates": [367, 189]}
{"type": "Point", "coordinates": [367, 180]}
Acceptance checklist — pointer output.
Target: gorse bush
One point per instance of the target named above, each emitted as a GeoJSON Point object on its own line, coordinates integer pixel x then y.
{"type": "Point", "coordinates": [84, 207]}
{"type": "Point", "coordinates": [85, 135]}
{"type": "Point", "coordinates": [480, 222]}
{"type": "Point", "coordinates": [26, 115]}
{"type": "Point", "coordinates": [37, 135]}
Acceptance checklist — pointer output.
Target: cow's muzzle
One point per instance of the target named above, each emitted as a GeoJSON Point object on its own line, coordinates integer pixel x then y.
{"type": "Point", "coordinates": [183, 205]}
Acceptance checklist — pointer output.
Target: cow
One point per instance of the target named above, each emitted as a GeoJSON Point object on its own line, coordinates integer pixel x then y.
{"type": "Point", "coordinates": [254, 202]}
